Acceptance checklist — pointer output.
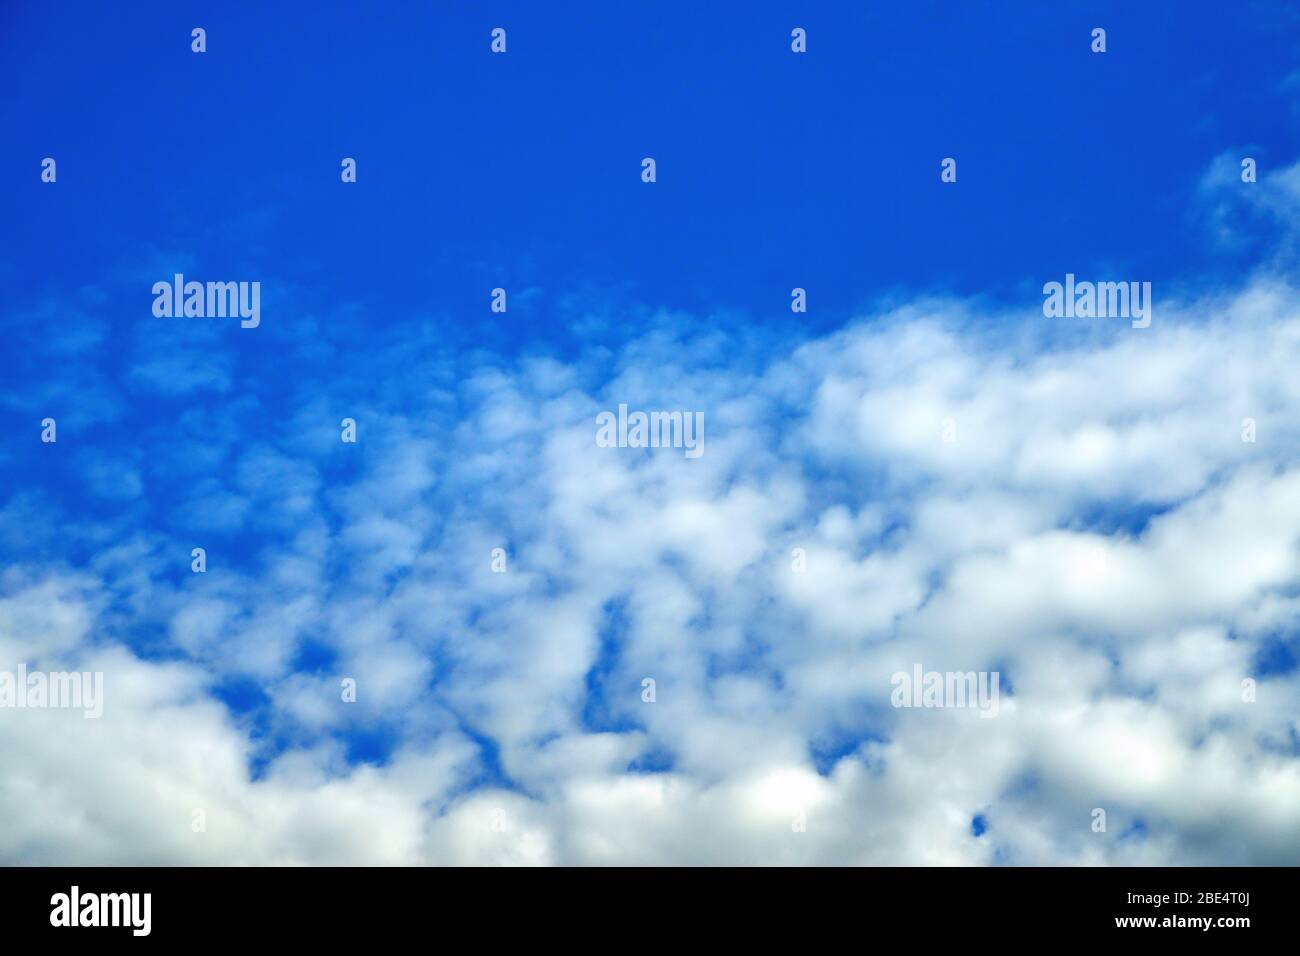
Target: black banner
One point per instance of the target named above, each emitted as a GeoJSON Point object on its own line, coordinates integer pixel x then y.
{"type": "Point", "coordinates": [1223, 906]}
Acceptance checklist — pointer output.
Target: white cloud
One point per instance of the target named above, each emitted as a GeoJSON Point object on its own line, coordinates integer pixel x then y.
{"type": "Point", "coordinates": [1098, 531]}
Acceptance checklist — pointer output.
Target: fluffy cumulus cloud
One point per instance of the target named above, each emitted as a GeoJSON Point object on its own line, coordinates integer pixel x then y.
{"type": "Point", "coordinates": [1069, 503]}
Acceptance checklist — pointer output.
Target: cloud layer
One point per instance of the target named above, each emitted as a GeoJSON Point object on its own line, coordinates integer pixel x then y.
{"type": "Point", "coordinates": [1097, 532]}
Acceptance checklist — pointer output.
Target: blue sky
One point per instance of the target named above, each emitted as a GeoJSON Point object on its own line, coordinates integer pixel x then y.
{"type": "Point", "coordinates": [1091, 457]}
{"type": "Point", "coordinates": [776, 170]}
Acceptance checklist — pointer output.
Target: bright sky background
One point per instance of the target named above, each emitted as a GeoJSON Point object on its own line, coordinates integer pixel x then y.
{"type": "Point", "coordinates": [1099, 533]}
